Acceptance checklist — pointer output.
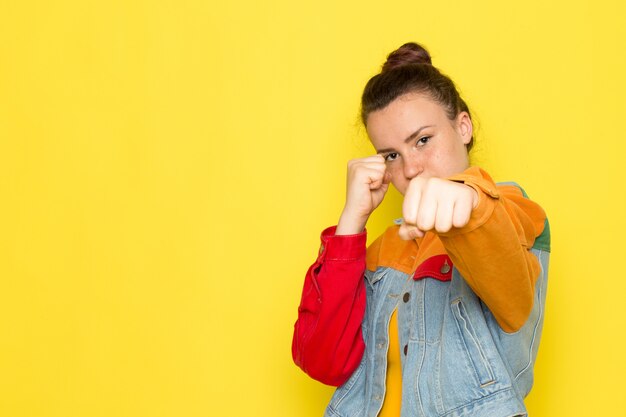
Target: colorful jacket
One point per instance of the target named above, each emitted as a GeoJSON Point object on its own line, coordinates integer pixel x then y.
{"type": "Point", "coordinates": [470, 309]}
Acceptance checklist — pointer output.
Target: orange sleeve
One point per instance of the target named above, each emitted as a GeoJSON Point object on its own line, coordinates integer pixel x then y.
{"type": "Point", "coordinates": [492, 251]}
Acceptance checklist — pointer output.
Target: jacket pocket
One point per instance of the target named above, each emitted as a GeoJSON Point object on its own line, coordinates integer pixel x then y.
{"type": "Point", "coordinates": [349, 398]}
{"type": "Point", "coordinates": [471, 343]}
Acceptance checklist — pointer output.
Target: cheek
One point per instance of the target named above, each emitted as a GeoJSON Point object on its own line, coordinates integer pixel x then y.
{"type": "Point", "coordinates": [398, 180]}
{"type": "Point", "coordinates": [400, 183]}
{"type": "Point", "coordinates": [401, 188]}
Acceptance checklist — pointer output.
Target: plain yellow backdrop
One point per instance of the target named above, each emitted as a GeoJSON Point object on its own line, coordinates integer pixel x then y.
{"type": "Point", "coordinates": [166, 168]}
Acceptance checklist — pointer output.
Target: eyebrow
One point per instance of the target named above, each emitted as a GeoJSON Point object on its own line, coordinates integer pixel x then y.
{"type": "Point", "coordinates": [409, 138]}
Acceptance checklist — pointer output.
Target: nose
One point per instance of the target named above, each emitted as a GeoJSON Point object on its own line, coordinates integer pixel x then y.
{"type": "Point", "coordinates": [412, 168]}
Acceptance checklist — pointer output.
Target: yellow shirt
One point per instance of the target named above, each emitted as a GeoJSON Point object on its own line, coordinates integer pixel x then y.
{"type": "Point", "coordinates": [393, 394]}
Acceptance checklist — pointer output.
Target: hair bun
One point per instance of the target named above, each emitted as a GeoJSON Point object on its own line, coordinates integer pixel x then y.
{"type": "Point", "coordinates": [407, 54]}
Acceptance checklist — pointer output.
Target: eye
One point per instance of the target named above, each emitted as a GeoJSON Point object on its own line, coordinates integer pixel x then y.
{"type": "Point", "coordinates": [391, 156]}
{"type": "Point", "coordinates": [422, 141]}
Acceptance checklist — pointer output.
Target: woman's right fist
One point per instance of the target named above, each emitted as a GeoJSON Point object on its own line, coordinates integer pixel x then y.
{"type": "Point", "coordinates": [367, 183]}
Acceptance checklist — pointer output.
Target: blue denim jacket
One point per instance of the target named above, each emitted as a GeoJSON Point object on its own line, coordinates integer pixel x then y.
{"type": "Point", "coordinates": [457, 361]}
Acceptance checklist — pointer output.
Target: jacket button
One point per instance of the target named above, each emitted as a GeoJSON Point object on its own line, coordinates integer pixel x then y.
{"type": "Point", "coordinates": [445, 268]}
{"type": "Point", "coordinates": [406, 297]}
{"type": "Point", "coordinates": [406, 349]}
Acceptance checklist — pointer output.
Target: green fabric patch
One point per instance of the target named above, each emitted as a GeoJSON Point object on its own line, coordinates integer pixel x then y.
{"type": "Point", "coordinates": [543, 241]}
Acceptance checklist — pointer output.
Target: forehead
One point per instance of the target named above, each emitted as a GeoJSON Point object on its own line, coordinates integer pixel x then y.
{"type": "Point", "coordinates": [402, 117]}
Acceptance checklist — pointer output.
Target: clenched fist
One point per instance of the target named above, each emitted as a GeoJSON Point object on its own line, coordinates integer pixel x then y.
{"type": "Point", "coordinates": [435, 204]}
{"type": "Point", "coordinates": [367, 183]}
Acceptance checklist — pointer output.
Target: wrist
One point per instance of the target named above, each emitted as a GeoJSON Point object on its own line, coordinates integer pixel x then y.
{"type": "Point", "coordinates": [350, 224]}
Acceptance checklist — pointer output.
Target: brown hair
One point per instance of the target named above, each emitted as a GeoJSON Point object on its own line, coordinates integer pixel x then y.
{"type": "Point", "coordinates": [409, 70]}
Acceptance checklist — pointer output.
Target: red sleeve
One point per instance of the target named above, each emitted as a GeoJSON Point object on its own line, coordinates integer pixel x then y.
{"type": "Point", "coordinates": [327, 339]}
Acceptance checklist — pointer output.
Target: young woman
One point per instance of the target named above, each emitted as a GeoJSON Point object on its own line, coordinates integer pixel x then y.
{"type": "Point", "coordinates": [442, 314]}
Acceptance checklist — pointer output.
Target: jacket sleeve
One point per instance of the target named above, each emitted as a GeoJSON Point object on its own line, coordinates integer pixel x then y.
{"type": "Point", "coordinates": [492, 251]}
{"type": "Point", "coordinates": [327, 340]}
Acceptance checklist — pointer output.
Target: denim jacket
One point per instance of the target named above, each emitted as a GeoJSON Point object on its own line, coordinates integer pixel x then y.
{"type": "Point", "coordinates": [456, 360]}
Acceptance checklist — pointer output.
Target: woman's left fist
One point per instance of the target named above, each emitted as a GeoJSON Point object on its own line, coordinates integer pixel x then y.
{"type": "Point", "coordinates": [435, 203]}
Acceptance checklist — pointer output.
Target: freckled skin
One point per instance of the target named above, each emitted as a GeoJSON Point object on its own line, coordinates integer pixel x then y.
{"type": "Point", "coordinates": [443, 155]}
{"type": "Point", "coordinates": [416, 164]}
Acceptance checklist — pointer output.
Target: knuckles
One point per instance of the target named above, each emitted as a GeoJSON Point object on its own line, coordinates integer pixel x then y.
{"type": "Point", "coordinates": [436, 203]}
{"type": "Point", "coordinates": [460, 221]}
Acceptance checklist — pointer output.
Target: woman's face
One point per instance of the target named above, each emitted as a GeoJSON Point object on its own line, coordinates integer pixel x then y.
{"type": "Point", "coordinates": [415, 136]}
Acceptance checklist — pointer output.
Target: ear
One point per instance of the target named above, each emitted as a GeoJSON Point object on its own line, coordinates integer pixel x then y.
{"type": "Point", "coordinates": [464, 126]}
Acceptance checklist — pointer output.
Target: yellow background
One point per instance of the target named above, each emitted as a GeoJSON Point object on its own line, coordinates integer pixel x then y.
{"type": "Point", "coordinates": [166, 168]}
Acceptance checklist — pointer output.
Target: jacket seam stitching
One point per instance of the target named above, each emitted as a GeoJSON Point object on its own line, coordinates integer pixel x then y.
{"type": "Point", "coordinates": [536, 326]}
